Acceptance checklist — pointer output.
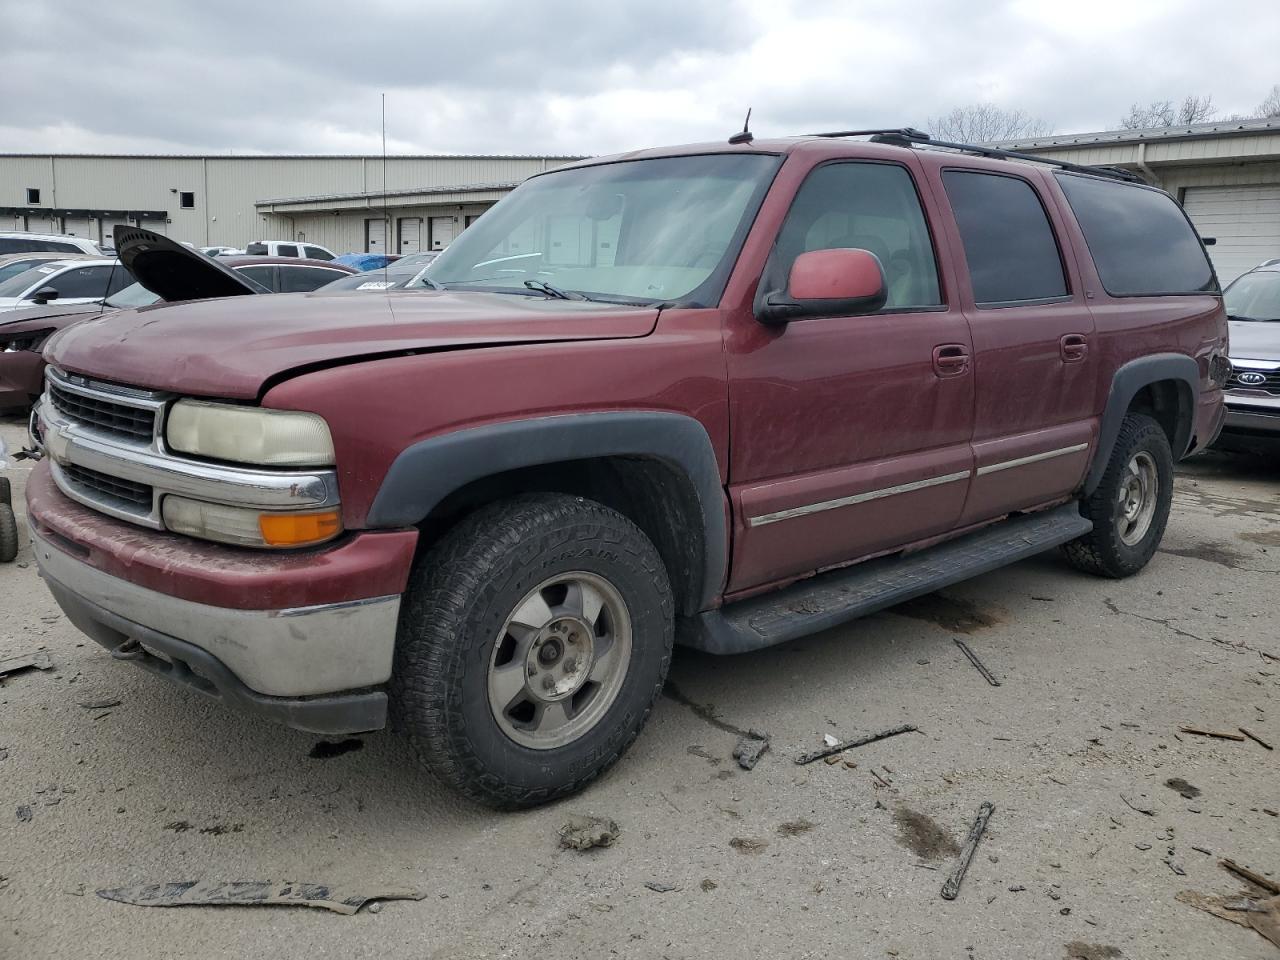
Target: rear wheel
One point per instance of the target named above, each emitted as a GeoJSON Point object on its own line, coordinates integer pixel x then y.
{"type": "Point", "coordinates": [533, 641]}
{"type": "Point", "coordinates": [1130, 506]}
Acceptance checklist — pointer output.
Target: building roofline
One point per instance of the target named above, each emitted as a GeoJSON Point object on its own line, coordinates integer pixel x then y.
{"type": "Point", "coordinates": [1195, 131]}
{"type": "Point", "coordinates": [293, 156]}
{"type": "Point", "coordinates": [407, 192]}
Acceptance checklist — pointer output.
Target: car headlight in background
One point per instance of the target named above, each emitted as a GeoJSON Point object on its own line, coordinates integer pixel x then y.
{"type": "Point", "coordinates": [270, 438]}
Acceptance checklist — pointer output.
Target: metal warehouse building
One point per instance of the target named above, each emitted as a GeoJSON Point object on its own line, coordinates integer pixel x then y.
{"type": "Point", "coordinates": [335, 201]}
{"type": "Point", "coordinates": [1227, 176]}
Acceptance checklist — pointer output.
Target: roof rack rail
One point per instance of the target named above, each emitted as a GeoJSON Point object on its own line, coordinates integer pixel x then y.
{"type": "Point", "coordinates": [909, 136]}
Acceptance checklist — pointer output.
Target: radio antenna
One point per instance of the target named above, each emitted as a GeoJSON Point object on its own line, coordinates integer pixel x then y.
{"type": "Point", "coordinates": [745, 136]}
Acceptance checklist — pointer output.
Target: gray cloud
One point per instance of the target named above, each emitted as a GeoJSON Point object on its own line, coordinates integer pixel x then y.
{"type": "Point", "coordinates": [591, 77]}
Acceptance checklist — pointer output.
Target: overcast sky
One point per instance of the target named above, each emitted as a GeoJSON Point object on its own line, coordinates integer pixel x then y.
{"type": "Point", "coordinates": [561, 76]}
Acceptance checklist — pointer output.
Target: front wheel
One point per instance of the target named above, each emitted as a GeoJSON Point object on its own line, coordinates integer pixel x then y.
{"type": "Point", "coordinates": [1130, 506]}
{"type": "Point", "coordinates": [533, 641]}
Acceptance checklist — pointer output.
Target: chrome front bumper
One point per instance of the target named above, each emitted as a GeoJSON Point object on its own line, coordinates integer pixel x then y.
{"type": "Point", "coordinates": [270, 661]}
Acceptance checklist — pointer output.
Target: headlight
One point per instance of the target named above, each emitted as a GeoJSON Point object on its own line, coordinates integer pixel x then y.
{"type": "Point", "coordinates": [249, 528]}
{"type": "Point", "coordinates": [272, 438]}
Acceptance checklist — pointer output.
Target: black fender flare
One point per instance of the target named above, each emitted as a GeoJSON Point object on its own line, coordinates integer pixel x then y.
{"type": "Point", "coordinates": [425, 473]}
{"type": "Point", "coordinates": [1126, 383]}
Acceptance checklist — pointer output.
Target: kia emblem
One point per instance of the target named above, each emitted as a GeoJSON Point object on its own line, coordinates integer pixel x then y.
{"type": "Point", "coordinates": [1252, 379]}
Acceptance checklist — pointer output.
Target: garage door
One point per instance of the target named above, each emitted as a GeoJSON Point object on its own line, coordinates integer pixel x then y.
{"type": "Point", "coordinates": [410, 235]}
{"type": "Point", "coordinates": [442, 229]}
{"type": "Point", "coordinates": [40, 223]}
{"type": "Point", "coordinates": [375, 236]}
{"type": "Point", "coordinates": [108, 226]}
{"type": "Point", "coordinates": [78, 227]}
{"type": "Point", "coordinates": [1245, 221]}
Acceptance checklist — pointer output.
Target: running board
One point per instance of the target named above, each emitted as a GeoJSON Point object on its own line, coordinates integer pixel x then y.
{"type": "Point", "coordinates": [838, 596]}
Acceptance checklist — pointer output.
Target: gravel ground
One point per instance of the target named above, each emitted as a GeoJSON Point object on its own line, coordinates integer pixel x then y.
{"type": "Point", "coordinates": [814, 861]}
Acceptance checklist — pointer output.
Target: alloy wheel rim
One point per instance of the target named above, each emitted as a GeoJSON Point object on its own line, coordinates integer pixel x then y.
{"type": "Point", "coordinates": [559, 661]}
{"type": "Point", "coordinates": [1136, 502]}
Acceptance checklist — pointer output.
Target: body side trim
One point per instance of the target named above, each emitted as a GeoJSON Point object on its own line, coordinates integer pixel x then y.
{"type": "Point", "coordinates": [766, 518]}
{"type": "Point", "coordinates": [1032, 458]}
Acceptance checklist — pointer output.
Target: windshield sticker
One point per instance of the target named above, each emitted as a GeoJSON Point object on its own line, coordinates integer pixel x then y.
{"type": "Point", "coordinates": [376, 285]}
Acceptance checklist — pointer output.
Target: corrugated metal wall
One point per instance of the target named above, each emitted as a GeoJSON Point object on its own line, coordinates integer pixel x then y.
{"type": "Point", "coordinates": [226, 188]}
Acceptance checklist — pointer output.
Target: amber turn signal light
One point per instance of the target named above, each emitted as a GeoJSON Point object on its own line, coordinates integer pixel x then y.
{"type": "Point", "coordinates": [299, 529]}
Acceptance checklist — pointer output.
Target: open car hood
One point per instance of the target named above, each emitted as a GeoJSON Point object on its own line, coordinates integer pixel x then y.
{"type": "Point", "coordinates": [174, 272]}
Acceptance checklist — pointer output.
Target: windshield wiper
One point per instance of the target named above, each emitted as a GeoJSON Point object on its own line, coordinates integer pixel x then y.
{"type": "Point", "coordinates": [430, 283]}
{"type": "Point", "coordinates": [543, 287]}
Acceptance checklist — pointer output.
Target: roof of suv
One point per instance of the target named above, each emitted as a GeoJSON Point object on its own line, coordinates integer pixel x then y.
{"type": "Point", "coordinates": [248, 260]}
{"type": "Point", "coordinates": [53, 237]}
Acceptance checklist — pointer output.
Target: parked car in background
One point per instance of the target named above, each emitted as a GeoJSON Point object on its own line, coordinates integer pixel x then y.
{"type": "Point", "coordinates": [405, 273]}
{"type": "Point", "coordinates": [221, 251]}
{"type": "Point", "coordinates": [815, 378]}
{"type": "Point", "coordinates": [46, 243]}
{"type": "Point", "coordinates": [12, 264]}
{"type": "Point", "coordinates": [69, 281]}
{"type": "Point", "coordinates": [288, 248]}
{"type": "Point", "coordinates": [365, 262]}
{"type": "Point", "coordinates": [23, 332]}
{"type": "Point", "coordinates": [1253, 393]}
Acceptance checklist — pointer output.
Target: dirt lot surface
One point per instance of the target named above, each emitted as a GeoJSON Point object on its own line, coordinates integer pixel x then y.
{"type": "Point", "coordinates": [1104, 812]}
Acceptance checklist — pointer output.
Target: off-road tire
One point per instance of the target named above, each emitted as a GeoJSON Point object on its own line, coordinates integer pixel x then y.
{"type": "Point", "coordinates": [1102, 551]}
{"type": "Point", "coordinates": [460, 594]}
{"type": "Point", "coordinates": [8, 533]}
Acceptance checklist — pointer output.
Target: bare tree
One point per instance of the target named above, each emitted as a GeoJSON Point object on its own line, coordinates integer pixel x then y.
{"type": "Point", "coordinates": [1163, 113]}
{"type": "Point", "coordinates": [1270, 107]}
{"type": "Point", "coordinates": [987, 123]}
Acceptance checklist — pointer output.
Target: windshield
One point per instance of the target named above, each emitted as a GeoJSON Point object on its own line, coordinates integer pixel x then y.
{"type": "Point", "coordinates": [17, 285]}
{"type": "Point", "coordinates": [641, 231]}
{"type": "Point", "coordinates": [1255, 296]}
{"type": "Point", "coordinates": [134, 295]}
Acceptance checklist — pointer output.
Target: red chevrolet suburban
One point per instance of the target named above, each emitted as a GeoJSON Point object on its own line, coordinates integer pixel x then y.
{"type": "Point", "coordinates": [724, 395]}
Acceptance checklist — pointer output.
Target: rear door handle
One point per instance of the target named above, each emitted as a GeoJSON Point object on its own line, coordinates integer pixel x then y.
{"type": "Point", "coordinates": [1073, 347]}
{"type": "Point", "coordinates": [950, 359]}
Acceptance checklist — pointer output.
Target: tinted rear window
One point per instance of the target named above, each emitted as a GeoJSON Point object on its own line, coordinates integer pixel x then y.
{"type": "Point", "coordinates": [1141, 241]}
{"type": "Point", "coordinates": [1008, 243]}
{"type": "Point", "coordinates": [256, 250]}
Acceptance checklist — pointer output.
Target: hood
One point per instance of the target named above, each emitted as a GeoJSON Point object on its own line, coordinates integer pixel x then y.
{"type": "Point", "coordinates": [51, 314]}
{"type": "Point", "coordinates": [175, 272]}
{"type": "Point", "coordinates": [230, 348]}
{"type": "Point", "coordinates": [1255, 340]}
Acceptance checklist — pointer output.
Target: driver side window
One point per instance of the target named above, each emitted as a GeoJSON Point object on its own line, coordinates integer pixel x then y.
{"type": "Point", "coordinates": [868, 206]}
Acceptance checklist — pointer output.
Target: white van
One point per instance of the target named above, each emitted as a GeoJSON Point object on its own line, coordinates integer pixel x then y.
{"type": "Point", "coordinates": [287, 248]}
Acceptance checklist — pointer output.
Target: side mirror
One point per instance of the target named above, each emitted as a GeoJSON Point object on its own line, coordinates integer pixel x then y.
{"type": "Point", "coordinates": [827, 283]}
{"type": "Point", "coordinates": [45, 294]}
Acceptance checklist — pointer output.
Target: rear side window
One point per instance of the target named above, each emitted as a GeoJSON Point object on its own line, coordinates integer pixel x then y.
{"type": "Point", "coordinates": [1141, 241]}
{"type": "Point", "coordinates": [264, 274]}
{"type": "Point", "coordinates": [57, 247]}
{"type": "Point", "coordinates": [1008, 242]}
{"type": "Point", "coordinates": [256, 250]}
{"type": "Point", "coordinates": [305, 279]}
{"type": "Point", "coordinates": [315, 253]}
{"type": "Point", "coordinates": [81, 282]}
{"type": "Point", "coordinates": [286, 250]}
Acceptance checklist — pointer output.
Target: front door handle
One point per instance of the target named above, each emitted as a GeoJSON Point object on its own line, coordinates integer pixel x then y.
{"type": "Point", "coordinates": [950, 359]}
{"type": "Point", "coordinates": [1073, 347]}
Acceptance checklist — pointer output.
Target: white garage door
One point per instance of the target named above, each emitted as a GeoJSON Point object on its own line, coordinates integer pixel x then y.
{"type": "Point", "coordinates": [375, 236]}
{"type": "Point", "coordinates": [442, 229]}
{"type": "Point", "coordinates": [1245, 221]}
{"type": "Point", "coordinates": [78, 227]}
{"type": "Point", "coordinates": [107, 226]}
{"type": "Point", "coordinates": [41, 223]}
{"type": "Point", "coordinates": [410, 235]}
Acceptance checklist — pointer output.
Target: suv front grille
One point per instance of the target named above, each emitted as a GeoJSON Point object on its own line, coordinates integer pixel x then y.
{"type": "Point", "coordinates": [1271, 383]}
{"type": "Point", "coordinates": [117, 418]}
{"type": "Point", "coordinates": [95, 486]}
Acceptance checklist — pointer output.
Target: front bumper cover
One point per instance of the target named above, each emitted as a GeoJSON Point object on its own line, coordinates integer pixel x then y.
{"type": "Point", "coordinates": [337, 652]}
